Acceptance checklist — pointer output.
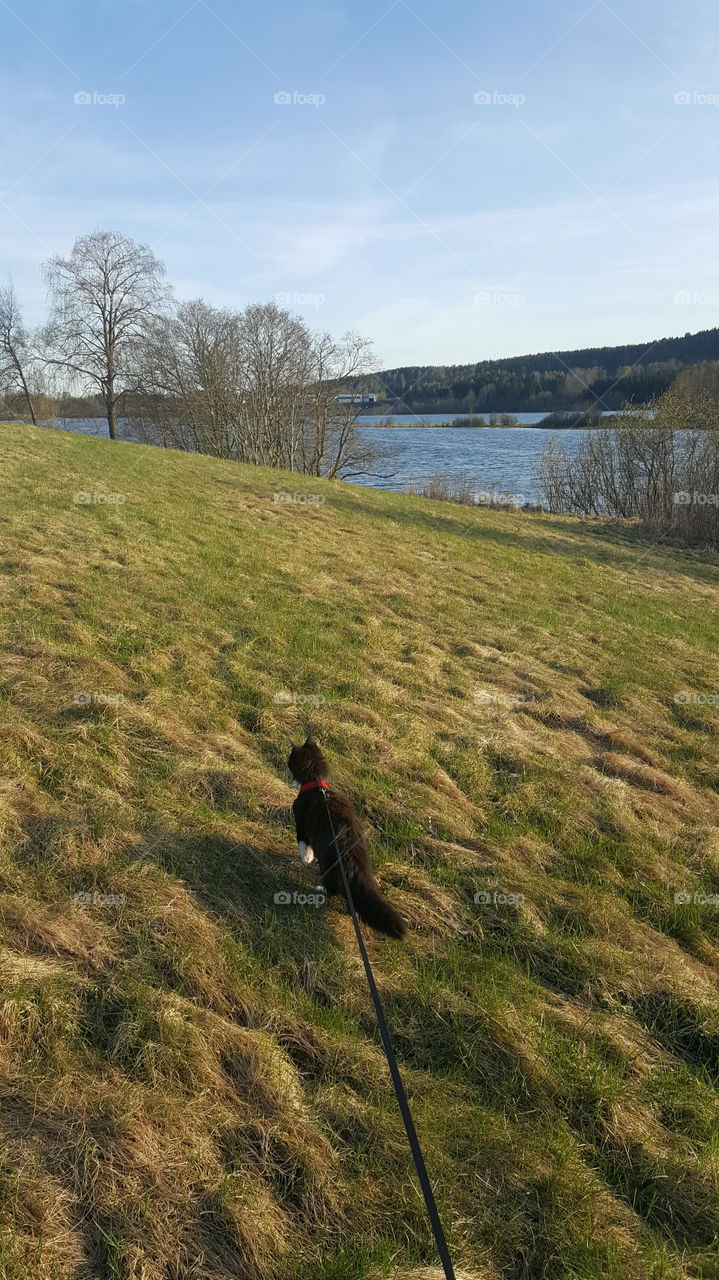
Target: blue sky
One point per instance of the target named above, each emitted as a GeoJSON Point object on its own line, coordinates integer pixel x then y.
{"type": "Point", "coordinates": [454, 181]}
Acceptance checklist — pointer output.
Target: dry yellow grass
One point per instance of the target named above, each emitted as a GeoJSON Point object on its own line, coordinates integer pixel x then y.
{"type": "Point", "coordinates": [192, 1086]}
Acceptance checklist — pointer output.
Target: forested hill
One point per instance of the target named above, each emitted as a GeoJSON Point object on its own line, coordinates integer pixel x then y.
{"type": "Point", "coordinates": [549, 380]}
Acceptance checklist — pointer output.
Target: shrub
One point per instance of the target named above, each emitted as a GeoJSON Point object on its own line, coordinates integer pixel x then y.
{"type": "Point", "coordinates": [660, 466]}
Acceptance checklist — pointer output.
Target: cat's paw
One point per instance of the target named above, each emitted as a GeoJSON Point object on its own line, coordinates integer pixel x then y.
{"type": "Point", "coordinates": [306, 852]}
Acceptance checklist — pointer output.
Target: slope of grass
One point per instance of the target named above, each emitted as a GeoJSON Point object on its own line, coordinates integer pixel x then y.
{"type": "Point", "coordinates": [192, 1082]}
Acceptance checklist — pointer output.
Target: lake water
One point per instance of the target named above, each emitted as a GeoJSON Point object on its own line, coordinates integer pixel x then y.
{"type": "Point", "coordinates": [490, 458]}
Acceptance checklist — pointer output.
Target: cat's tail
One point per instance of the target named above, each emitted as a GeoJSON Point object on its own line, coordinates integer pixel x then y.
{"type": "Point", "coordinates": [375, 910]}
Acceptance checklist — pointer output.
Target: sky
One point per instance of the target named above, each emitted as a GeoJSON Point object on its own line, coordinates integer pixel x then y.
{"type": "Point", "coordinates": [454, 181]}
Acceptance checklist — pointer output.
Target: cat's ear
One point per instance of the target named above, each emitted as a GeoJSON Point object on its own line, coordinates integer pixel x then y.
{"type": "Point", "coordinates": [310, 742]}
{"type": "Point", "coordinates": [293, 745]}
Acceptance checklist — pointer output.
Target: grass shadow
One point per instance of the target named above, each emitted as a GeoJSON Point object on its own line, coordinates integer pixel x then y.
{"type": "Point", "coordinates": [247, 887]}
{"type": "Point", "coordinates": [591, 540]}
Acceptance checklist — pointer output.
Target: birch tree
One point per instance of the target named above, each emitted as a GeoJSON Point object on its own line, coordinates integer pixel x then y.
{"type": "Point", "coordinates": [103, 298]}
{"type": "Point", "coordinates": [16, 356]}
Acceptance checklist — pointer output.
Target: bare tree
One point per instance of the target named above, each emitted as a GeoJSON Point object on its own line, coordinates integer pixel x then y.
{"type": "Point", "coordinates": [16, 357]}
{"type": "Point", "coordinates": [103, 297]}
{"type": "Point", "coordinates": [257, 386]}
{"type": "Point", "coordinates": [659, 466]}
{"type": "Point", "coordinates": [190, 382]}
{"type": "Point", "coordinates": [337, 449]}
{"type": "Point", "coordinates": [293, 409]}
{"type": "Point", "coordinates": [276, 359]}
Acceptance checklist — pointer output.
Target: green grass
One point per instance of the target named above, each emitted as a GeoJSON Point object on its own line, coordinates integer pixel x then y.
{"type": "Point", "coordinates": [193, 1086]}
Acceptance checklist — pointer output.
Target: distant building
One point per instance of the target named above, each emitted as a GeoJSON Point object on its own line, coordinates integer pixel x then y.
{"type": "Point", "coordinates": [365, 399]}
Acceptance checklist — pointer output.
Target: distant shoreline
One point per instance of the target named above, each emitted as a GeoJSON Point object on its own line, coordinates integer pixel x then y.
{"type": "Point", "coordinates": [470, 424]}
{"type": "Point", "coordinates": [482, 426]}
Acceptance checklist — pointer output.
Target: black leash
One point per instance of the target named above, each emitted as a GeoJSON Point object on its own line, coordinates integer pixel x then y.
{"type": "Point", "coordinates": [399, 1089]}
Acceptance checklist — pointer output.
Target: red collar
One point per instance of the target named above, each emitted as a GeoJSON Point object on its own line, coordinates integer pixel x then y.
{"type": "Point", "coordinates": [307, 786]}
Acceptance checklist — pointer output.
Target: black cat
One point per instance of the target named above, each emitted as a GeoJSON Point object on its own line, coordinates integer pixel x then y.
{"type": "Point", "coordinates": [312, 820]}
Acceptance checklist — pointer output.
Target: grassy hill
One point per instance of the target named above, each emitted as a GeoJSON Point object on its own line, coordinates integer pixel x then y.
{"type": "Point", "coordinates": [192, 1083]}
